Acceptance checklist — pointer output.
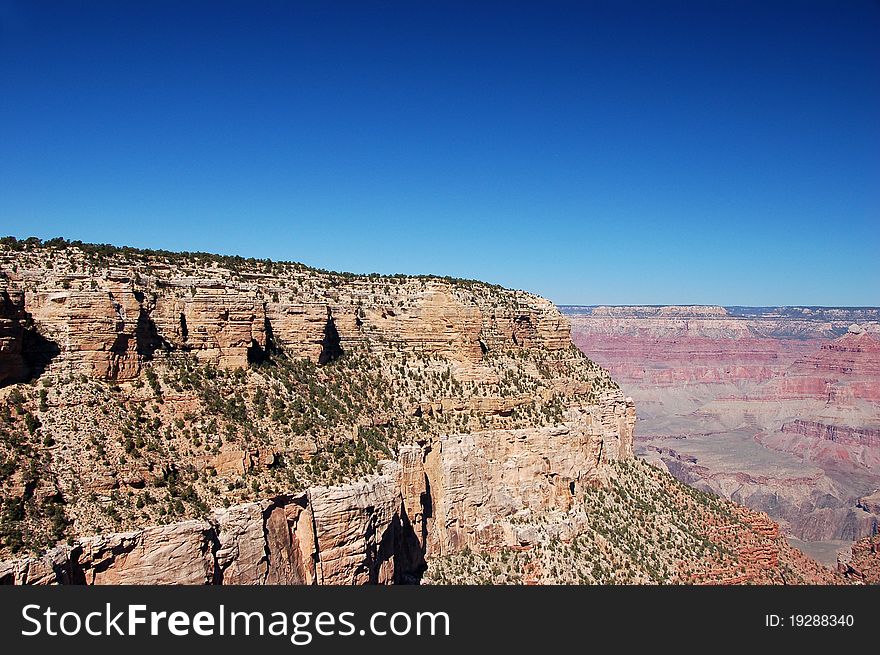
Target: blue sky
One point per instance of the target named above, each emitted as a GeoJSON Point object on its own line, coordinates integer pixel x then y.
{"type": "Point", "coordinates": [593, 152]}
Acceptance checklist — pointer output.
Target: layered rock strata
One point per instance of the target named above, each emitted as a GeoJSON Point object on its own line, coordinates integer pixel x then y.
{"type": "Point", "coordinates": [777, 408]}
{"type": "Point", "coordinates": [181, 382]}
{"type": "Point", "coordinates": [349, 534]}
{"type": "Point", "coordinates": [108, 323]}
{"type": "Point", "coordinates": [142, 388]}
{"type": "Point", "coordinates": [461, 491]}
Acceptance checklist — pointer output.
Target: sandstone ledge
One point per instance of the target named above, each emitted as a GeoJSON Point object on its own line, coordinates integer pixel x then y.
{"type": "Point", "coordinates": [455, 492]}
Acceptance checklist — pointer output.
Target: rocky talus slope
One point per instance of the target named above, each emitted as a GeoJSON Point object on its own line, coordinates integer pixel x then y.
{"type": "Point", "coordinates": [190, 418]}
{"type": "Point", "coordinates": [644, 527]}
{"type": "Point", "coordinates": [861, 563]}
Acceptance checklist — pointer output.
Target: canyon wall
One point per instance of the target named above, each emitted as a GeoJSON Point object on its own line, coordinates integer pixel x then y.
{"type": "Point", "coordinates": [349, 534]}
{"type": "Point", "coordinates": [155, 386]}
{"type": "Point", "coordinates": [108, 324]}
{"type": "Point", "coordinates": [451, 494]}
{"type": "Point", "coordinates": [821, 442]}
{"type": "Point", "coordinates": [12, 322]}
{"type": "Point", "coordinates": [345, 429]}
{"type": "Point", "coordinates": [777, 408]}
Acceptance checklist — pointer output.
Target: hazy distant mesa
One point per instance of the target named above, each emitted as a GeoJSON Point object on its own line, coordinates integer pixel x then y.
{"type": "Point", "coordinates": [774, 407]}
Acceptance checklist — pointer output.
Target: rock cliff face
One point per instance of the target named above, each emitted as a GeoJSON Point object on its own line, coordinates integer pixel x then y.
{"type": "Point", "coordinates": [135, 309]}
{"type": "Point", "coordinates": [349, 534]}
{"type": "Point", "coordinates": [821, 442]}
{"type": "Point", "coordinates": [186, 418]}
{"type": "Point", "coordinates": [643, 526]}
{"type": "Point", "coordinates": [12, 321]}
{"type": "Point", "coordinates": [390, 527]}
{"type": "Point", "coordinates": [450, 494]}
{"type": "Point", "coordinates": [862, 563]}
{"type": "Point", "coordinates": [478, 484]}
{"type": "Point", "coordinates": [805, 502]}
{"type": "Point", "coordinates": [155, 386]}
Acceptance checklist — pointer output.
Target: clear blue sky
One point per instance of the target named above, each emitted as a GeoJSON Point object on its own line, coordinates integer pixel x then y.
{"type": "Point", "coordinates": [593, 152]}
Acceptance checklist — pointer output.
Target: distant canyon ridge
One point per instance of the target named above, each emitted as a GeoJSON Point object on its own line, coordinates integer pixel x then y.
{"type": "Point", "coordinates": [777, 408]}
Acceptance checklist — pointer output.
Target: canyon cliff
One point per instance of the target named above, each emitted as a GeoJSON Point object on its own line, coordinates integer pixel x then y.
{"type": "Point", "coordinates": [192, 418]}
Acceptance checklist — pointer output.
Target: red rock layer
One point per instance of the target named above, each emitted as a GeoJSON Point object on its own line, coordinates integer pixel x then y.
{"type": "Point", "coordinates": [842, 371]}
{"type": "Point", "coordinates": [763, 556]}
{"type": "Point", "coordinates": [840, 434]}
{"type": "Point", "coordinates": [672, 361]}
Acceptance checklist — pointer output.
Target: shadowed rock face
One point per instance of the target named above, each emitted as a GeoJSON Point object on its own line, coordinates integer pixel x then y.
{"type": "Point", "coordinates": [24, 352]}
{"type": "Point", "coordinates": [330, 345]}
{"type": "Point", "coordinates": [12, 317]}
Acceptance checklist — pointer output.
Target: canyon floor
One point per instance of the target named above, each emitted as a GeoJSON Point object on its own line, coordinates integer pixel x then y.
{"type": "Point", "coordinates": [774, 408]}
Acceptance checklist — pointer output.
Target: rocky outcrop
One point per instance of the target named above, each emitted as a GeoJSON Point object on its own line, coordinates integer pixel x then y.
{"type": "Point", "coordinates": [495, 420]}
{"type": "Point", "coordinates": [821, 442]}
{"type": "Point", "coordinates": [813, 507]}
{"type": "Point", "coordinates": [348, 534]}
{"type": "Point", "coordinates": [24, 352]}
{"type": "Point", "coordinates": [139, 309]}
{"type": "Point", "coordinates": [479, 484]}
{"type": "Point", "coordinates": [861, 563]}
{"type": "Point", "coordinates": [425, 356]}
{"type": "Point", "coordinates": [455, 492]}
{"type": "Point", "coordinates": [178, 553]}
{"type": "Point", "coordinates": [763, 555]}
